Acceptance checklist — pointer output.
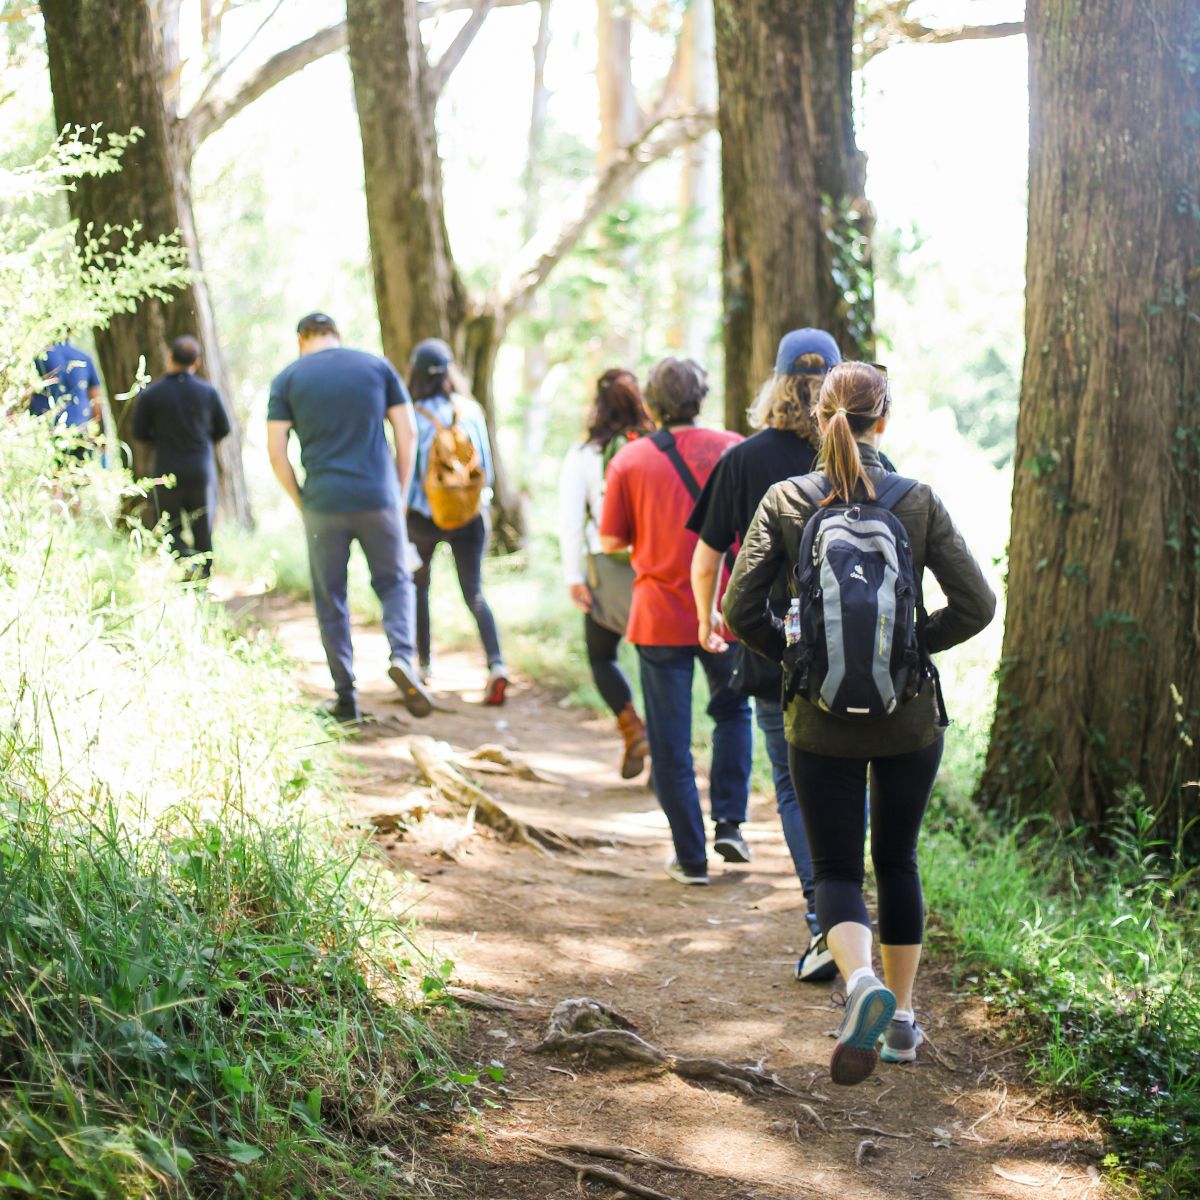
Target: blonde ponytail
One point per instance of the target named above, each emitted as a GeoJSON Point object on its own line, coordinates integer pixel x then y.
{"type": "Point", "coordinates": [854, 397]}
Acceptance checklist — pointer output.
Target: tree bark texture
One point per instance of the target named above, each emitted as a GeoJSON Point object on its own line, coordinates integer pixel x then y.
{"type": "Point", "coordinates": [152, 190]}
{"type": "Point", "coordinates": [416, 285]}
{"type": "Point", "coordinates": [796, 225]}
{"type": "Point", "coordinates": [1098, 689]}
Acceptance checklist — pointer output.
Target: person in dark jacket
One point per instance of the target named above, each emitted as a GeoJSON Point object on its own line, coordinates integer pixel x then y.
{"type": "Point", "coordinates": [183, 418]}
{"type": "Point", "coordinates": [830, 755]}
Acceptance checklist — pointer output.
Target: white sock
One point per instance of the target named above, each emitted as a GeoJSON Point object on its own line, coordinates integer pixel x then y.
{"type": "Point", "coordinates": [856, 977]}
{"type": "Point", "coordinates": [904, 1014]}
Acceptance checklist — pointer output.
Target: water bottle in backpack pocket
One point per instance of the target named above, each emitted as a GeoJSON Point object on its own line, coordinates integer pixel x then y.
{"type": "Point", "coordinates": [858, 653]}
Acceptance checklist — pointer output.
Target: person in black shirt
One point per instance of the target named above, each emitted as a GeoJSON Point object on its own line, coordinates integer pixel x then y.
{"type": "Point", "coordinates": [183, 418]}
{"type": "Point", "coordinates": [782, 447]}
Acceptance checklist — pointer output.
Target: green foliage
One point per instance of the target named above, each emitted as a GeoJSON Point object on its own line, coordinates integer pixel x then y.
{"type": "Point", "coordinates": [209, 986]}
{"type": "Point", "coordinates": [201, 969]}
{"type": "Point", "coordinates": [52, 280]}
{"type": "Point", "coordinates": [1098, 954]}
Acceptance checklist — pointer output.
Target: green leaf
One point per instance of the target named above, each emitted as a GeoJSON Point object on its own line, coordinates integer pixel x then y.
{"type": "Point", "coordinates": [240, 1152]}
{"type": "Point", "coordinates": [312, 1102]}
{"type": "Point", "coordinates": [9, 1180]}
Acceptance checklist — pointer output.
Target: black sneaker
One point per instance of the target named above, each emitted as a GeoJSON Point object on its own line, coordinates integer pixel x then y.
{"type": "Point", "coordinates": [344, 712]}
{"type": "Point", "coordinates": [730, 844]}
{"type": "Point", "coordinates": [817, 965]}
{"type": "Point", "coordinates": [412, 691]}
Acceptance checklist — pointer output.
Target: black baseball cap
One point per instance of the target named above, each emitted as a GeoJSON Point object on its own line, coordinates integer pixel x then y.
{"type": "Point", "coordinates": [315, 324]}
{"type": "Point", "coordinates": [432, 356]}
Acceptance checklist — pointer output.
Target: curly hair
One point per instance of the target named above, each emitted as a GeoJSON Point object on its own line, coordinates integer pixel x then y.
{"type": "Point", "coordinates": [786, 401]}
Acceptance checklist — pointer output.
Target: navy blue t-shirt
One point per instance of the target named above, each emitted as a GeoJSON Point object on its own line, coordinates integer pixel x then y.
{"type": "Point", "coordinates": [337, 400]}
{"type": "Point", "coordinates": [68, 374]}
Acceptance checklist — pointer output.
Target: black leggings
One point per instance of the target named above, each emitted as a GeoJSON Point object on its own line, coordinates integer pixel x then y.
{"type": "Point", "coordinates": [830, 791]}
{"type": "Point", "coordinates": [610, 680]}
{"type": "Point", "coordinates": [468, 545]}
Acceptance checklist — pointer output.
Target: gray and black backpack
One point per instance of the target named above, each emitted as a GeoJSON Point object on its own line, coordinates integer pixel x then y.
{"type": "Point", "coordinates": [857, 653]}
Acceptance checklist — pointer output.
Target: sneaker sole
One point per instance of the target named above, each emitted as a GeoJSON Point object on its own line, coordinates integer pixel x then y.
{"type": "Point", "coordinates": [688, 880]}
{"type": "Point", "coordinates": [856, 1055]}
{"type": "Point", "coordinates": [495, 692]}
{"type": "Point", "coordinates": [634, 763]}
{"type": "Point", "coordinates": [731, 851]}
{"type": "Point", "coordinates": [411, 692]}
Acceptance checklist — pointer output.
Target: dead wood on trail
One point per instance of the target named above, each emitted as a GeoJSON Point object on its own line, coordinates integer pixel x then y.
{"type": "Point", "coordinates": [434, 760]}
{"type": "Point", "coordinates": [583, 1025]}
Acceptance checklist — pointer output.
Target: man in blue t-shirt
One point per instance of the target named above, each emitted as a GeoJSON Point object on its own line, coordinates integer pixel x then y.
{"type": "Point", "coordinates": [70, 387]}
{"type": "Point", "coordinates": [338, 401]}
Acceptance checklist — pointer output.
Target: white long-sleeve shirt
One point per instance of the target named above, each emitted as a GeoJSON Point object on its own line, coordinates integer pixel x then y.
{"type": "Point", "coordinates": [580, 498]}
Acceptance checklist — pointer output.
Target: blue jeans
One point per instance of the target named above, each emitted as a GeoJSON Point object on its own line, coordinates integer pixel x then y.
{"type": "Point", "coordinates": [667, 691]}
{"type": "Point", "coordinates": [769, 714]}
{"type": "Point", "coordinates": [381, 534]}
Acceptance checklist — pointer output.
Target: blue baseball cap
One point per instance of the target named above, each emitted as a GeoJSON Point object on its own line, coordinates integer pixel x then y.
{"type": "Point", "coordinates": [432, 356]}
{"type": "Point", "coordinates": [800, 342]}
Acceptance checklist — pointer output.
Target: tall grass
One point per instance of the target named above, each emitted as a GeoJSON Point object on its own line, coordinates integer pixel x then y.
{"type": "Point", "coordinates": [209, 987]}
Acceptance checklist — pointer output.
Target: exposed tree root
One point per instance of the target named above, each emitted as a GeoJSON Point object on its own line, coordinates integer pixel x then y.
{"type": "Point", "coordinates": [626, 1154]}
{"type": "Point", "coordinates": [433, 759]}
{"type": "Point", "coordinates": [613, 1178]}
{"type": "Point", "coordinates": [584, 1024]}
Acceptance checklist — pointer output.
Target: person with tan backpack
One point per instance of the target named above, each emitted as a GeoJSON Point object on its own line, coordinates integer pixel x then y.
{"type": "Point", "coordinates": [449, 497]}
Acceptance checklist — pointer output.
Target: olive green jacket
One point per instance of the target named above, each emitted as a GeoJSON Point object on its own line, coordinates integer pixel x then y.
{"type": "Point", "coordinates": [772, 547]}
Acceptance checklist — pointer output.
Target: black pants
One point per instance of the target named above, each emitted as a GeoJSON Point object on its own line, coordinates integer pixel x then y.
{"type": "Point", "coordinates": [194, 494]}
{"type": "Point", "coordinates": [610, 680]}
{"type": "Point", "coordinates": [468, 545]}
{"type": "Point", "coordinates": [830, 791]}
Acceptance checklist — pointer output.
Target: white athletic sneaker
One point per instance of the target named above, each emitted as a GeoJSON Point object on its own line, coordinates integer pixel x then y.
{"type": "Point", "coordinates": [678, 874]}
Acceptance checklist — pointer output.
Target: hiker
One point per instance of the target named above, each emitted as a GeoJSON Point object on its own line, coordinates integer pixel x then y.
{"type": "Point", "coordinates": [782, 447]}
{"type": "Point", "coordinates": [601, 585]}
{"type": "Point", "coordinates": [652, 485]}
{"type": "Point", "coordinates": [70, 394]}
{"type": "Point", "coordinates": [449, 498]}
{"type": "Point", "coordinates": [860, 688]}
{"type": "Point", "coordinates": [337, 401]}
{"type": "Point", "coordinates": [183, 418]}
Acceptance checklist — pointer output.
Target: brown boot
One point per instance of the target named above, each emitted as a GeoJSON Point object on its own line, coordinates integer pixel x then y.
{"type": "Point", "coordinates": [636, 746]}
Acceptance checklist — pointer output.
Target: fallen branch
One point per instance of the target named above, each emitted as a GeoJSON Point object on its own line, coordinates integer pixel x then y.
{"type": "Point", "coordinates": [625, 1154]}
{"type": "Point", "coordinates": [613, 1178]}
{"type": "Point", "coordinates": [583, 1025]}
{"type": "Point", "coordinates": [486, 1000]}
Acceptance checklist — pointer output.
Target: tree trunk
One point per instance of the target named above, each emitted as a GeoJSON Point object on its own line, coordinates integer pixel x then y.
{"type": "Point", "coordinates": [151, 189]}
{"type": "Point", "coordinates": [417, 287]}
{"type": "Point", "coordinates": [1098, 698]}
{"type": "Point", "coordinates": [792, 180]}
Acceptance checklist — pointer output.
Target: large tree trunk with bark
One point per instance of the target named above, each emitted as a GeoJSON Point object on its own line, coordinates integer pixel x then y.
{"type": "Point", "coordinates": [1098, 694]}
{"type": "Point", "coordinates": [796, 225]}
{"type": "Point", "coordinates": [106, 68]}
{"type": "Point", "coordinates": [417, 287]}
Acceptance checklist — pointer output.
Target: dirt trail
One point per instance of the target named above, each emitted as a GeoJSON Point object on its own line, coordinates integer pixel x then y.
{"type": "Point", "coordinates": [700, 971]}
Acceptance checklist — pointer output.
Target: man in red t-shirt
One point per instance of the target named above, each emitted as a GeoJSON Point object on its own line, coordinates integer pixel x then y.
{"type": "Point", "coordinates": [650, 488]}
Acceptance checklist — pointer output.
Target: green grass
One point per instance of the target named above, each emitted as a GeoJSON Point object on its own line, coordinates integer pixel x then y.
{"type": "Point", "coordinates": [1096, 955]}
{"type": "Point", "coordinates": [210, 988]}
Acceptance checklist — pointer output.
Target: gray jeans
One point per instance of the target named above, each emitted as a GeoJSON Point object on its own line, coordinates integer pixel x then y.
{"type": "Point", "coordinates": [381, 534]}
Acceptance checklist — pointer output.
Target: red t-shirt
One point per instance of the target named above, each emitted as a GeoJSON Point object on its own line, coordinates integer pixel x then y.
{"type": "Point", "coordinates": [647, 505]}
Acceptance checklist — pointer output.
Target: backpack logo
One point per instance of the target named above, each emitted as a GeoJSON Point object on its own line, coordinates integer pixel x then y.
{"type": "Point", "coordinates": [857, 573]}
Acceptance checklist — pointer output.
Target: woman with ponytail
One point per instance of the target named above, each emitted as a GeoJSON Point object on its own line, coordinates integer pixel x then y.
{"type": "Point", "coordinates": [830, 753]}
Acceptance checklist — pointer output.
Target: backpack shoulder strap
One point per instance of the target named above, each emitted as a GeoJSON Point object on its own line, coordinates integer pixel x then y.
{"type": "Point", "coordinates": [814, 488]}
{"type": "Point", "coordinates": [428, 415]}
{"type": "Point", "coordinates": [664, 439]}
{"type": "Point", "coordinates": [891, 491]}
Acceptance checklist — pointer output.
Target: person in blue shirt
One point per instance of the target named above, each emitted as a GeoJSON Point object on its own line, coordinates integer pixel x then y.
{"type": "Point", "coordinates": [70, 388]}
{"type": "Point", "coordinates": [439, 392]}
{"type": "Point", "coordinates": [338, 402]}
